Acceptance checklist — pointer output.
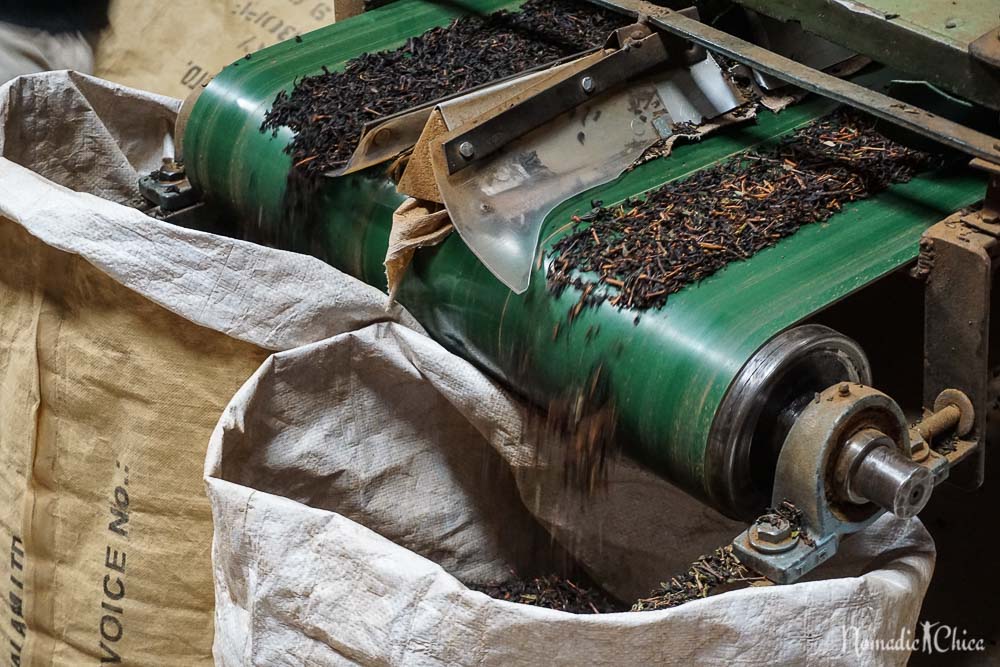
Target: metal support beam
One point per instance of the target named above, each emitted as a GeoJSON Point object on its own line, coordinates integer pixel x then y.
{"type": "Point", "coordinates": [954, 135]}
{"type": "Point", "coordinates": [642, 50]}
{"type": "Point", "coordinates": [932, 41]}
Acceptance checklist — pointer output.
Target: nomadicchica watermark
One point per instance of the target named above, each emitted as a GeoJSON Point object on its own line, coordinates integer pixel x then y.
{"type": "Point", "coordinates": [933, 638]}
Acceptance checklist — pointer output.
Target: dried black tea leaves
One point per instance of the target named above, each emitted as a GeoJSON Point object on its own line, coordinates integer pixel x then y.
{"type": "Point", "coordinates": [328, 111]}
{"type": "Point", "coordinates": [641, 252]}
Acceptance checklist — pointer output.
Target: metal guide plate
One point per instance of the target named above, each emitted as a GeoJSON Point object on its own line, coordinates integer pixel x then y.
{"type": "Point", "coordinates": [499, 204]}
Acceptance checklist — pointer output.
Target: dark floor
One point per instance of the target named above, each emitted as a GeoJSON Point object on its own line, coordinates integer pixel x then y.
{"type": "Point", "coordinates": [965, 590]}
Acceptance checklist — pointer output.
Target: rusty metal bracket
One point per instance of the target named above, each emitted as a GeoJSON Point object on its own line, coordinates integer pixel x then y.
{"type": "Point", "coordinates": [168, 187]}
{"type": "Point", "coordinates": [641, 51]}
{"type": "Point", "coordinates": [987, 47]}
{"type": "Point", "coordinates": [809, 477]}
{"type": "Point", "coordinates": [991, 204]}
{"type": "Point", "coordinates": [960, 252]}
{"type": "Point", "coordinates": [954, 135]}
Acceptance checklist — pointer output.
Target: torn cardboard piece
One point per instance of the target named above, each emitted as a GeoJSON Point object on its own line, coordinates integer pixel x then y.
{"type": "Point", "coordinates": [415, 224]}
{"type": "Point", "coordinates": [665, 147]}
{"type": "Point", "coordinates": [417, 180]}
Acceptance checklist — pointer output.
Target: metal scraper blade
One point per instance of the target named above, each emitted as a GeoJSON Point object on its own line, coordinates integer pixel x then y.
{"type": "Point", "coordinates": [498, 205]}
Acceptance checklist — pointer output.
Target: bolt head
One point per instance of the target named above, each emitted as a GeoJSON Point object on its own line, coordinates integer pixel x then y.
{"type": "Point", "coordinates": [466, 150]}
{"type": "Point", "coordinates": [774, 530]}
{"type": "Point", "coordinates": [587, 84]}
{"type": "Point", "coordinates": [844, 389]}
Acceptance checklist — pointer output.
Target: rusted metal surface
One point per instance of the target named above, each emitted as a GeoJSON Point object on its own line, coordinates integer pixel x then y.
{"type": "Point", "coordinates": [990, 212]}
{"type": "Point", "coordinates": [957, 326]}
{"type": "Point", "coordinates": [931, 40]}
{"type": "Point", "coordinates": [805, 478]}
{"type": "Point", "coordinates": [917, 120]}
{"type": "Point", "coordinates": [939, 423]}
{"type": "Point", "coordinates": [987, 47]}
{"type": "Point", "coordinates": [948, 426]}
{"type": "Point", "coordinates": [772, 535]}
{"type": "Point", "coordinates": [949, 402]}
{"type": "Point", "coordinates": [168, 187]}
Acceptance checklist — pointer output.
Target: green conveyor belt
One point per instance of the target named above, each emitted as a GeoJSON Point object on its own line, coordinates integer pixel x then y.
{"type": "Point", "coordinates": [669, 373]}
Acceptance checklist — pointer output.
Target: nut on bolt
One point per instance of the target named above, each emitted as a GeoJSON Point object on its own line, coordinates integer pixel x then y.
{"type": "Point", "coordinates": [844, 389]}
{"type": "Point", "coordinates": [170, 170]}
{"type": "Point", "coordinates": [772, 534]}
{"type": "Point", "coordinates": [967, 414]}
{"type": "Point", "coordinates": [774, 530]}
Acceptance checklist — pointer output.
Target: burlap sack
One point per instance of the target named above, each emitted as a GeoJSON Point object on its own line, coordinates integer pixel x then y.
{"type": "Point", "coordinates": [107, 403]}
{"type": "Point", "coordinates": [121, 340]}
{"type": "Point", "coordinates": [359, 483]}
{"type": "Point", "coordinates": [174, 47]}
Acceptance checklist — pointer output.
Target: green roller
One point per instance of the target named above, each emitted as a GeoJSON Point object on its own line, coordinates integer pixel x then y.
{"type": "Point", "coordinates": [678, 375]}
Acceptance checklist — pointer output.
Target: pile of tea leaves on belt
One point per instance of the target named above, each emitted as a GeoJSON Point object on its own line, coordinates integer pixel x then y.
{"type": "Point", "coordinates": [637, 254]}
{"type": "Point", "coordinates": [328, 111]}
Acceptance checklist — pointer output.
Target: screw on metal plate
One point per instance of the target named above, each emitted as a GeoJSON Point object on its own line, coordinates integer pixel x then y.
{"type": "Point", "coordinates": [844, 389]}
{"type": "Point", "coordinates": [587, 84]}
{"type": "Point", "coordinates": [466, 150]}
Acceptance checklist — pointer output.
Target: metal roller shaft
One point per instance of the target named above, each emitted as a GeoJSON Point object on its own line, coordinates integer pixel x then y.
{"type": "Point", "coordinates": [878, 472]}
